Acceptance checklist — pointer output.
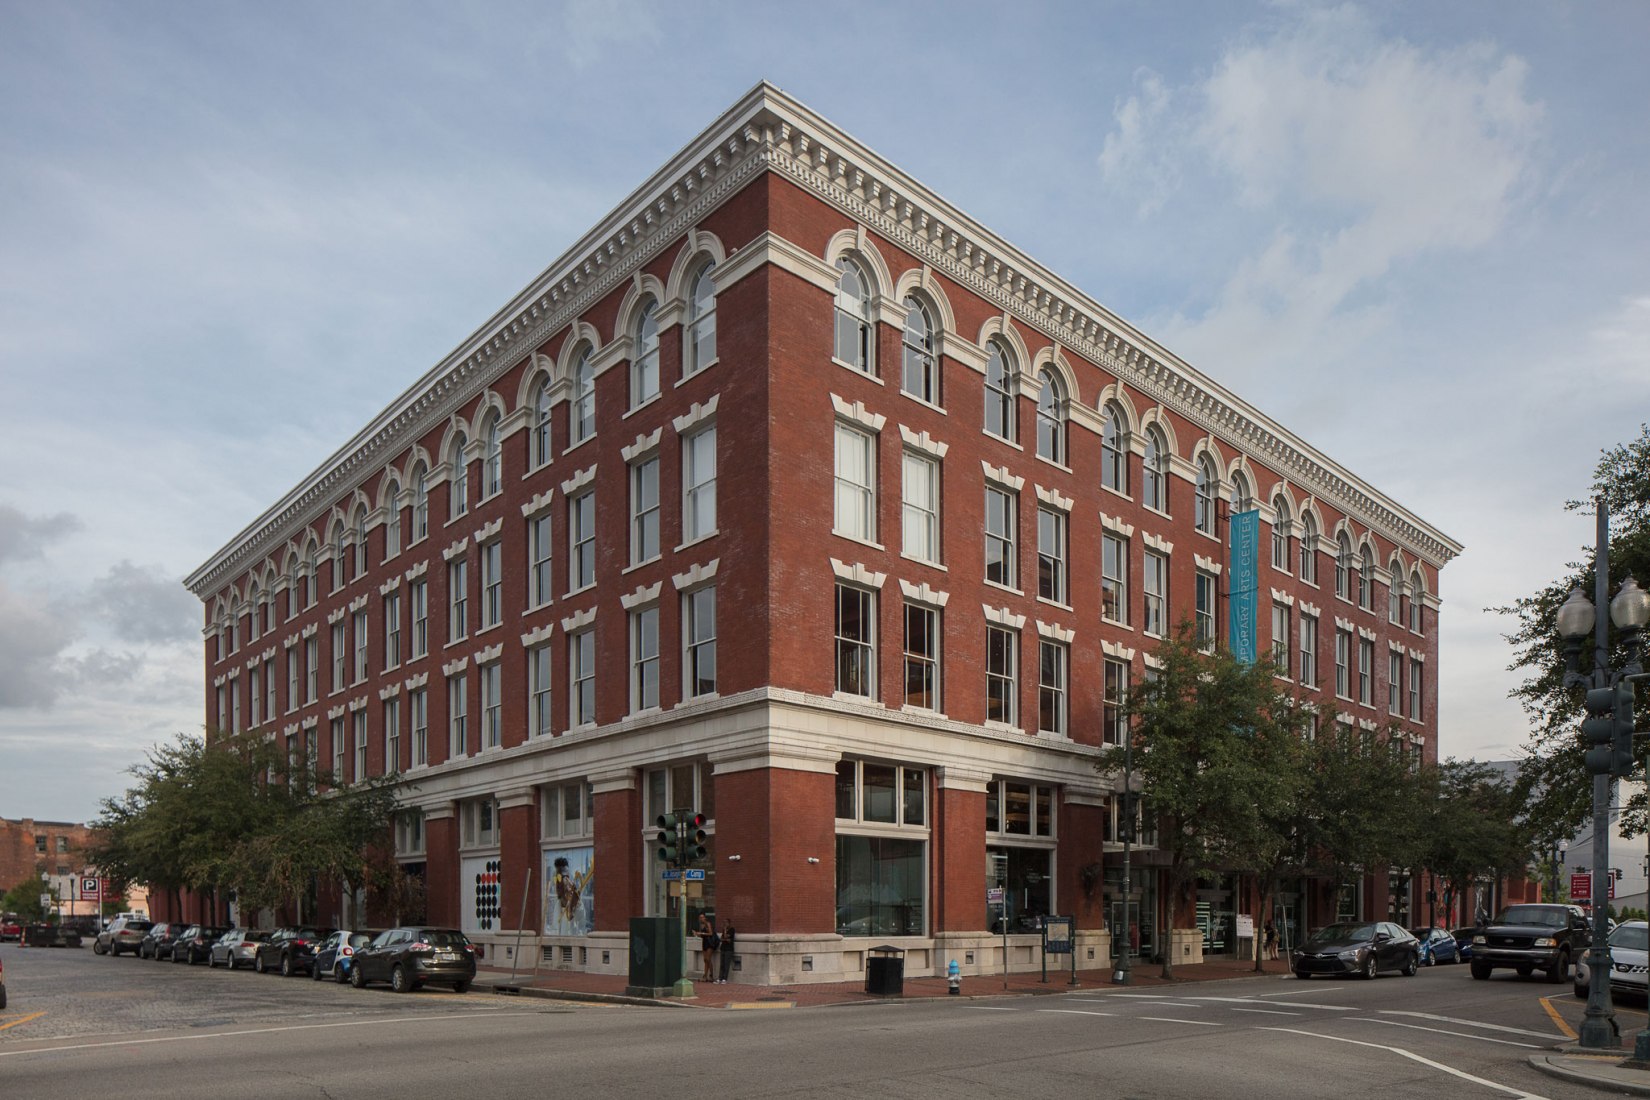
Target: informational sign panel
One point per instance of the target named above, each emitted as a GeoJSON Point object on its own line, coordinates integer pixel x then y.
{"type": "Point", "coordinates": [1057, 935]}
{"type": "Point", "coordinates": [91, 889]}
{"type": "Point", "coordinates": [1581, 886]}
{"type": "Point", "coordinates": [1245, 926]}
{"type": "Point", "coordinates": [1243, 594]}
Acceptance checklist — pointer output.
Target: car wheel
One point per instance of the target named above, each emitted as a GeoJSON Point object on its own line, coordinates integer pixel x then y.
{"type": "Point", "coordinates": [461, 987]}
{"type": "Point", "coordinates": [286, 966]}
{"type": "Point", "coordinates": [1560, 970]}
{"type": "Point", "coordinates": [258, 964]}
{"type": "Point", "coordinates": [315, 972]}
{"type": "Point", "coordinates": [356, 978]}
{"type": "Point", "coordinates": [398, 980]}
{"type": "Point", "coordinates": [211, 960]}
{"type": "Point", "coordinates": [1481, 971]}
{"type": "Point", "coordinates": [1369, 969]}
{"type": "Point", "coordinates": [1411, 967]}
{"type": "Point", "coordinates": [1302, 975]}
{"type": "Point", "coordinates": [342, 973]}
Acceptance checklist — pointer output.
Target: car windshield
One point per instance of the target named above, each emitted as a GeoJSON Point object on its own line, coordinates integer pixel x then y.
{"type": "Point", "coordinates": [1543, 915]}
{"type": "Point", "coordinates": [139, 925]}
{"type": "Point", "coordinates": [356, 939]}
{"type": "Point", "coordinates": [437, 938]}
{"type": "Point", "coordinates": [1420, 933]}
{"type": "Point", "coordinates": [1633, 936]}
{"type": "Point", "coordinates": [1336, 932]}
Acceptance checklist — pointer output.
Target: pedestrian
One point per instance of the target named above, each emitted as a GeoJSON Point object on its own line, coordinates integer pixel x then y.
{"type": "Point", "coordinates": [727, 951]}
{"type": "Point", "coordinates": [707, 946]}
{"type": "Point", "coordinates": [1271, 941]}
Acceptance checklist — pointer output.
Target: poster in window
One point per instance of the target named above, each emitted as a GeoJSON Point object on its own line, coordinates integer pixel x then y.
{"type": "Point", "coordinates": [479, 876]}
{"type": "Point", "coordinates": [569, 891]}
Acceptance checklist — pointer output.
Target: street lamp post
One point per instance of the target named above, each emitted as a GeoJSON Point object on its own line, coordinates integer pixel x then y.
{"type": "Point", "coordinates": [1609, 731]}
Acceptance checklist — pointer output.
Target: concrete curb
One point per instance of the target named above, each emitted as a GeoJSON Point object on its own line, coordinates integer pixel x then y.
{"type": "Point", "coordinates": [1595, 1072]}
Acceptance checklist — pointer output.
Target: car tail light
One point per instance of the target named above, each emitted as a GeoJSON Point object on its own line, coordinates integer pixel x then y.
{"type": "Point", "coordinates": [470, 947]}
{"type": "Point", "coordinates": [420, 946]}
{"type": "Point", "coordinates": [346, 952]}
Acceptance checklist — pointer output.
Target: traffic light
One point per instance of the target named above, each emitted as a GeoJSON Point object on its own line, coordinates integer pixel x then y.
{"type": "Point", "coordinates": [695, 845]}
{"type": "Point", "coordinates": [669, 837]}
{"type": "Point", "coordinates": [1598, 730]}
{"type": "Point", "coordinates": [1128, 811]}
{"type": "Point", "coordinates": [1621, 756]}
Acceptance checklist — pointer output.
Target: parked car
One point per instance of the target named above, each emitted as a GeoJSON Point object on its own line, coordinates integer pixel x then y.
{"type": "Point", "coordinates": [1437, 946]}
{"type": "Point", "coordinates": [1364, 948]}
{"type": "Point", "coordinates": [407, 958]}
{"type": "Point", "coordinates": [157, 943]}
{"type": "Point", "coordinates": [1629, 962]}
{"type": "Point", "coordinates": [196, 943]}
{"type": "Point", "coordinates": [1527, 938]}
{"type": "Point", "coordinates": [235, 948]}
{"type": "Point", "coordinates": [124, 934]}
{"type": "Point", "coordinates": [1463, 942]}
{"type": "Point", "coordinates": [291, 950]}
{"type": "Point", "coordinates": [336, 953]}
{"type": "Point", "coordinates": [11, 929]}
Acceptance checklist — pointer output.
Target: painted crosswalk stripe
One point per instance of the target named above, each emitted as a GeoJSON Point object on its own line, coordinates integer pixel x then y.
{"type": "Point", "coordinates": [1171, 1020]}
{"type": "Point", "coordinates": [1471, 1023]}
{"type": "Point", "coordinates": [1267, 1011]}
{"type": "Point", "coordinates": [1412, 1056]}
{"type": "Point", "coordinates": [1445, 1031]}
{"type": "Point", "coordinates": [1077, 1012]}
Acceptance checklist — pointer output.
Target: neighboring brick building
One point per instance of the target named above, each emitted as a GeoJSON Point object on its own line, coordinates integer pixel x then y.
{"type": "Point", "coordinates": [791, 494]}
{"type": "Point", "coordinates": [28, 847]}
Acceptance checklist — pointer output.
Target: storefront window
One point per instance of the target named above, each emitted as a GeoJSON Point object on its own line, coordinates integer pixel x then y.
{"type": "Point", "coordinates": [1139, 925]}
{"type": "Point", "coordinates": [1024, 875]}
{"type": "Point", "coordinates": [690, 787]}
{"type": "Point", "coordinates": [879, 886]}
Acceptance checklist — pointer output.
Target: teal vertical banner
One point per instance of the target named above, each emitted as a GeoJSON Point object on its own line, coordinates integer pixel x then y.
{"type": "Point", "coordinates": [1242, 595]}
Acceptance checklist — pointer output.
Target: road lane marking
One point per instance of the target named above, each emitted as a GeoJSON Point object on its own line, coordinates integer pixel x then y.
{"type": "Point", "coordinates": [991, 1008]}
{"type": "Point", "coordinates": [22, 1020]}
{"type": "Point", "coordinates": [1267, 1011]}
{"type": "Point", "coordinates": [1412, 1056]}
{"type": "Point", "coordinates": [1077, 1011]}
{"type": "Point", "coordinates": [257, 1031]}
{"type": "Point", "coordinates": [1321, 988]}
{"type": "Point", "coordinates": [1558, 1021]}
{"type": "Point", "coordinates": [1170, 1020]}
{"type": "Point", "coordinates": [1442, 1031]}
{"type": "Point", "coordinates": [1469, 1023]}
{"type": "Point", "coordinates": [1292, 1004]}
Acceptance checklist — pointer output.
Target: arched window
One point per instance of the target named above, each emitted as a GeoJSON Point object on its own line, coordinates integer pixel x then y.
{"type": "Point", "coordinates": [1051, 417]}
{"type": "Point", "coordinates": [492, 459]}
{"type": "Point", "coordinates": [337, 542]}
{"type": "Point", "coordinates": [1417, 589]}
{"type": "Point", "coordinates": [999, 392]}
{"type": "Point", "coordinates": [360, 544]}
{"type": "Point", "coordinates": [541, 423]}
{"type": "Point", "coordinates": [644, 364]}
{"type": "Point", "coordinates": [1343, 566]}
{"type": "Point", "coordinates": [701, 330]}
{"type": "Point", "coordinates": [255, 608]}
{"type": "Point", "coordinates": [392, 521]}
{"type": "Point", "coordinates": [309, 576]}
{"type": "Point", "coordinates": [293, 579]}
{"type": "Point", "coordinates": [582, 411]}
{"type": "Point", "coordinates": [235, 629]}
{"type": "Point", "coordinates": [1154, 471]}
{"type": "Point", "coordinates": [854, 344]}
{"type": "Point", "coordinates": [1394, 594]}
{"type": "Point", "coordinates": [1203, 501]}
{"type": "Point", "coordinates": [1114, 450]}
{"type": "Point", "coordinates": [1366, 580]}
{"type": "Point", "coordinates": [420, 503]}
{"type": "Point", "coordinates": [1309, 549]}
{"type": "Point", "coordinates": [1242, 500]}
{"type": "Point", "coordinates": [458, 476]}
{"type": "Point", "coordinates": [1280, 533]}
{"type": "Point", "coordinates": [919, 376]}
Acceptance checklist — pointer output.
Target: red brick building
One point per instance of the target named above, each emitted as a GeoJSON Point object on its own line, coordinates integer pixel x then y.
{"type": "Point", "coordinates": [791, 494]}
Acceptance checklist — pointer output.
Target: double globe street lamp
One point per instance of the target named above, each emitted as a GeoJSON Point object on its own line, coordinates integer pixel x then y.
{"type": "Point", "coordinates": [1608, 730]}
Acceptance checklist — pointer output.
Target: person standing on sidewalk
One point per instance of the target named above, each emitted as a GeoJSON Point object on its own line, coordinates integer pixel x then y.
{"type": "Point", "coordinates": [727, 952]}
{"type": "Point", "coordinates": [707, 947]}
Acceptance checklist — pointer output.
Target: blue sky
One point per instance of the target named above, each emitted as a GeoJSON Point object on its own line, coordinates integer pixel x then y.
{"type": "Point", "coordinates": [1415, 234]}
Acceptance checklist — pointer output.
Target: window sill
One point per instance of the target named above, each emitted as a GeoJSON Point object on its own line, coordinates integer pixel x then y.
{"type": "Point", "coordinates": [1045, 460]}
{"type": "Point", "coordinates": [536, 608]}
{"type": "Point", "coordinates": [909, 396]}
{"type": "Point", "coordinates": [571, 447]}
{"type": "Point", "coordinates": [1003, 587]}
{"type": "Point", "coordinates": [1002, 727]}
{"type": "Point", "coordinates": [1046, 602]}
{"type": "Point", "coordinates": [582, 727]}
{"type": "Point", "coordinates": [1005, 441]}
{"type": "Point", "coordinates": [488, 629]}
{"type": "Point", "coordinates": [1117, 624]}
{"type": "Point", "coordinates": [654, 560]}
{"type": "Point", "coordinates": [1158, 512]}
{"type": "Point", "coordinates": [924, 561]}
{"type": "Point", "coordinates": [645, 712]}
{"type": "Point", "coordinates": [1127, 497]}
{"type": "Point", "coordinates": [697, 371]}
{"type": "Point", "coordinates": [460, 518]}
{"type": "Point", "coordinates": [924, 712]}
{"type": "Point", "coordinates": [860, 541]}
{"type": "Point", "coordinates": [1210, 535]}
{"type": "Point", "coordinates": [862, 700]}
{"type": "Point", "coordinates": [539, 469]}
{"type": "Point", "coordinates": [636, 408]}
{"type": "Point", "coordinates": [571, 592]}
{"type": "Point", "coordinates": [708, 697]}
{"type": "Point", "coordinates": [868, 375]}
{"type": "Point", "coordinates": [696, 540]}
{"type": "Point", "coordinates": [460, 640]}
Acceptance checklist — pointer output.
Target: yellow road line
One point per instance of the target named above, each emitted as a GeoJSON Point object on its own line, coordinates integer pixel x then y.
{"type": "Point", "coordinates": [22, 1020]}
{"type": "Point", "coordinates": [1547, 1003]}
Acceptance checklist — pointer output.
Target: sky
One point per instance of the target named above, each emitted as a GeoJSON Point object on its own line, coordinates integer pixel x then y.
{"type": "Point", "coordinates": [1415, 234]}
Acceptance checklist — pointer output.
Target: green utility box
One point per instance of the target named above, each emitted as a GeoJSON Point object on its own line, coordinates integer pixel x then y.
{"type": "Point", "coordinates": [655, 955]}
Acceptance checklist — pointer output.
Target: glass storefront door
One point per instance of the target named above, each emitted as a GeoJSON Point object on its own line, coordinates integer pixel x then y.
{"type": "Point", "coordinates": [1024, 875]}
{"type": "Point", "coordinates": [1142, 911]}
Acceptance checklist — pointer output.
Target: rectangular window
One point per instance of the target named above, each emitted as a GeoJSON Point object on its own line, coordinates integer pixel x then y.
{"type": "Point", "coordinates": [581, 541]}
{"type": "Point", "coordinates": [699, 641]}
{"type": "Point", "coordinates": [339, 776]}
{"type": "Point", "coordinates": [1051, 687]}
{"type": "Point", "coordinates": [418, 712]}
{"type": "Point", "coordinates": [1280, 638]}
{"type": "Point", "coordinates": [492, 706]}
{"type": "Point", "coordinates": [1343, 664]}
{"type": "Point", "coordinates": [1366, 672]}
{"type": "Point", "coordinates": [254, 698]}
{"type": "Point", "coordinates": [855, 641]}
{"type": "Point", "coordinates": [1415, 669]}
{"type": "Point", "coordinates": [538, 692]}
{"type": "Point", "coordinates": [292, 678]}
{"type": "Point", "coordinates": [312, 668]}
{"type": "Point", "coordinates": [1001, 524]}
{"type": "Point", "coordinates": [1002, 681]}
{"type": "Point", "coordinates": [922, 657]}
{"type": "Point", "coordinates": [644, 659]}
{"type": "Point", "coordinates": [235, 705]}
{"type": "Point", "coordinates": [699, 484]}
{"type": "Point", "coordinates": [1394, 683]}
{"type": "Point", "coordinates": [644, 511]}
{"type": "Point", "coordinates": [1114, 723]}
{"type": "Point", "coordinates": [269, 688]}
{"type": "Point", "coordinates": [1051, 555]}
{"type": "Point", "coordinates": [392, 630]}
{"type": "Point", "coordinates": [856, 493]}
{"type": "Point", "coordinates": [565, 812]}
{"type": "Point", "coordinates": [1309, 650]}
{"type": "Point", "coordinates": [1206, 594]}
{"type": "Point", "coordinates": [1114, 579]}
{"type": "Point", "coordinates": [920, 516]}
{"type": "Point", "coordinates": [538, 556]}
{"type": "Point", "coordinates": [492, 584]}
{"type": "Point", "coordinates": [392, 735]}
{"type": "Point", "coordinates": [360, 646]}
{"type": "Point", "coordinates": [340, 655]}
{"type": "Point", "coordinates": [458, 596]}
{"type": "Point", "coordinates": [360, 744]}
{"type": "Point", "coordinates": [458, 715]}
{"type": "Point", "coordinates": [581, 658]}
{"type": "Point", "coordinates": [420, 595]}
{"type": "Point", "coordinates": [1155, 587]}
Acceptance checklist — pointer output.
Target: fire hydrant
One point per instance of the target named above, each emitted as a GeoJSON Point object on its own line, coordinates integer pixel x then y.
{"type": "Point", "coordinates": [953, 975]}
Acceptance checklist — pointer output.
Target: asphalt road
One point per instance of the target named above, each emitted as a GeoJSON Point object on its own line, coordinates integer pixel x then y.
{"type": "Point", "coordinates": [152, 1029]}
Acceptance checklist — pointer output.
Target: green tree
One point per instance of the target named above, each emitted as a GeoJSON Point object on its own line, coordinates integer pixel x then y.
{"type": "Point", "coordinates": [24, 900]}
{"type": "Point", "coordinates": [1475, 826]}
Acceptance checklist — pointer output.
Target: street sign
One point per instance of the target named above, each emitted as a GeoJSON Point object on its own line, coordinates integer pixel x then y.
{"type": "Point", "coordinates": [993, 895]}
{"type": "Point", "coordinates": [1581, 885]}
{"type": "Point", "coordinates": [91, 889]}
{"type": "Point", "coordinates": [692, 874]}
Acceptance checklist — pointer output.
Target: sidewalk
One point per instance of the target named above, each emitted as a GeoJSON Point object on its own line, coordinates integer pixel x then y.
{"type": "Point", "coordinates": [574, 985]}
{"type": "Point", "coordinates": [1600, 1071]}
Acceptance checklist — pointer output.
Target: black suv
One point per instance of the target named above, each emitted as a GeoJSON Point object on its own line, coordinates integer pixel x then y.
{"type": "Point", "coordinates": [409, 957]}
{"type": "Point", "coordinates": [1527, 938]}
{"type": "Point", "coordinates": [291, 950]}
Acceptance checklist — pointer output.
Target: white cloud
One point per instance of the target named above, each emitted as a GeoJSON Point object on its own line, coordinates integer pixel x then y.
{"type": "Point", "coordinates": [33, 638]}
{"type": "Point", "coordinates": [23, 537]}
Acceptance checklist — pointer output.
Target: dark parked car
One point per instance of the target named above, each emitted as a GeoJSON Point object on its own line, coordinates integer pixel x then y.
{"type": "Point", "coordinates": [157, 944]}
{"type": "Point", "coordinates": [195, 945]}
{"type": "Point", "coordinates": [409, 957]}
{"type": "Point", "coordinates": [124, 935]}
{"type": "Point", "coordinates": [337, 952]}
{"type": "Point", "coordinates": [1364, 948]}
{"type": "Point", "coordinates": [235, 949]}
{"type": "Point", "coordinates": [1463, 942]}
{"type": "Point", "coordinates": [1437, 946]}
{"type": "Point", "coordinates": [1527, 938]}
{"type": "Point", "coordinates": [291, 950]}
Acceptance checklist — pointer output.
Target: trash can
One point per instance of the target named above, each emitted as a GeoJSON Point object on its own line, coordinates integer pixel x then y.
{"type": "Point", "coordinates": [885, 971]}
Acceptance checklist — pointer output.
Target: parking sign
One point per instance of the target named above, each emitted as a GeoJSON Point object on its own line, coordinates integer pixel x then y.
{"type": "Point", "coordinates": [91, 889]}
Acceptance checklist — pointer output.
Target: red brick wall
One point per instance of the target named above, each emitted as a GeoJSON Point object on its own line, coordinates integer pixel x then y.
{"type": "Point", "coordinates": [775, 820]}
{"type": "Point", "coordinates": [441, 872]}
{"type": "Point", "coordinates": [617, 859]}
{"type": "Point", "coordinates": [519, 852]}
{"type": "Point", "coordinates": [958, 865]}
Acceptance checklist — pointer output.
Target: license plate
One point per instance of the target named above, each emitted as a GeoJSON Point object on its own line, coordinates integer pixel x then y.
{"type": "Point", "coordinates": [446, 956]}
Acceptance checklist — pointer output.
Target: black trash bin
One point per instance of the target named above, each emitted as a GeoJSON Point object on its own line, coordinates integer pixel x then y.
{"type": "Point", "coordinates": [885, 971]}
